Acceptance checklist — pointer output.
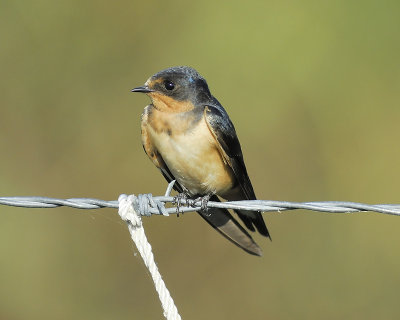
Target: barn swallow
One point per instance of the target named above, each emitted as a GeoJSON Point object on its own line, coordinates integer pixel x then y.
{"type": "Point", "coordinates": [188, 135]}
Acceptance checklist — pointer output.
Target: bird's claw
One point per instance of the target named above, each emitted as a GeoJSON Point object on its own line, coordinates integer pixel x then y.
{"type": "Point", "coordinates": [183, 199]}
{"type": "Point", "coordinates": [179, 199]}
{"type": "Point", "coordinates": [204, 202]}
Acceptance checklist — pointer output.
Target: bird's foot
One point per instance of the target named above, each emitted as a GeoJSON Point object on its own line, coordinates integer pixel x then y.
{"type": "Point", "coordinates": [204, 202]}
{"type": "Point", "coordinates": [179, 199]}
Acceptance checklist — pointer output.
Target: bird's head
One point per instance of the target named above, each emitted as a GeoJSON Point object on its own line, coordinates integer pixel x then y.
{"type": "Point", "coordinates": [176, 89]}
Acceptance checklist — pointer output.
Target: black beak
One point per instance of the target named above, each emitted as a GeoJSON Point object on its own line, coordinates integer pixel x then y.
{"type": "Point", "coordinates": [143, 89]}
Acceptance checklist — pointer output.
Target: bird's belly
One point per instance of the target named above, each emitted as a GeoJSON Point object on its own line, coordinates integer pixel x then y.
{"type": "Point", "coordinates": [194, 160]}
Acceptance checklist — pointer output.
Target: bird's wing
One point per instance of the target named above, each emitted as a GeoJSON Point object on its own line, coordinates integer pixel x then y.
{"type": "Point", "coordinates": [224, 133]}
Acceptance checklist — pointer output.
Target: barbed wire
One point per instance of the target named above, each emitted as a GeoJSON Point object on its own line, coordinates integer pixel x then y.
{"type": "Point", "coordinates": [148, 205]}
{"type": "Point", "coordinates": [132, 207]}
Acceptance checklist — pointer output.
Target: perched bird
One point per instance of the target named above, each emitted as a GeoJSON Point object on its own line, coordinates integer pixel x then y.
{"type": "Point", "coordinates": [188, 135]}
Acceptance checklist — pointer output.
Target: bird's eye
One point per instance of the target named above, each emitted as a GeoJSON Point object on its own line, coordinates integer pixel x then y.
{"type": "Point", "coordinates": [169, 85]}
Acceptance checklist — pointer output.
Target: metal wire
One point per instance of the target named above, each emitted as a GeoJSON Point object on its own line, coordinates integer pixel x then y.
{"type": "Point", "coordinates": [149, 205]}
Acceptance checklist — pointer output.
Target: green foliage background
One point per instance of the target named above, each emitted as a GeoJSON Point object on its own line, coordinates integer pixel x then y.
{"type": "Point", "coordinates": [313, 88]}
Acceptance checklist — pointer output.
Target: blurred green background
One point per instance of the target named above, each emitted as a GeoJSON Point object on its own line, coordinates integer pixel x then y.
{"type": "Point", "coordinates": [314, 91]}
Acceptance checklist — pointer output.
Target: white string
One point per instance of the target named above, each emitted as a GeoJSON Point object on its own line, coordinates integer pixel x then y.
{"type": "Point", "coordinates": [128, 212]}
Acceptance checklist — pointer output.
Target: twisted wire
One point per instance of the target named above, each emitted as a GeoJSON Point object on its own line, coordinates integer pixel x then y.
{"type": "Point", "coordinates": [149, 205]}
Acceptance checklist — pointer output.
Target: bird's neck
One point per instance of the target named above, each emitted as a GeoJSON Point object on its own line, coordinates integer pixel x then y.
{"type": "Point", "coordinates": [164, 103]}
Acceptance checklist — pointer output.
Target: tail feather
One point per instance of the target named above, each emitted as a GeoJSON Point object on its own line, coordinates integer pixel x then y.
{"type": "Point", "coordinates": [225, 224]}
{"type": "Point", "coordinates": [254, 219]}
{"type": "Point", "coordinates": [246, 220]}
